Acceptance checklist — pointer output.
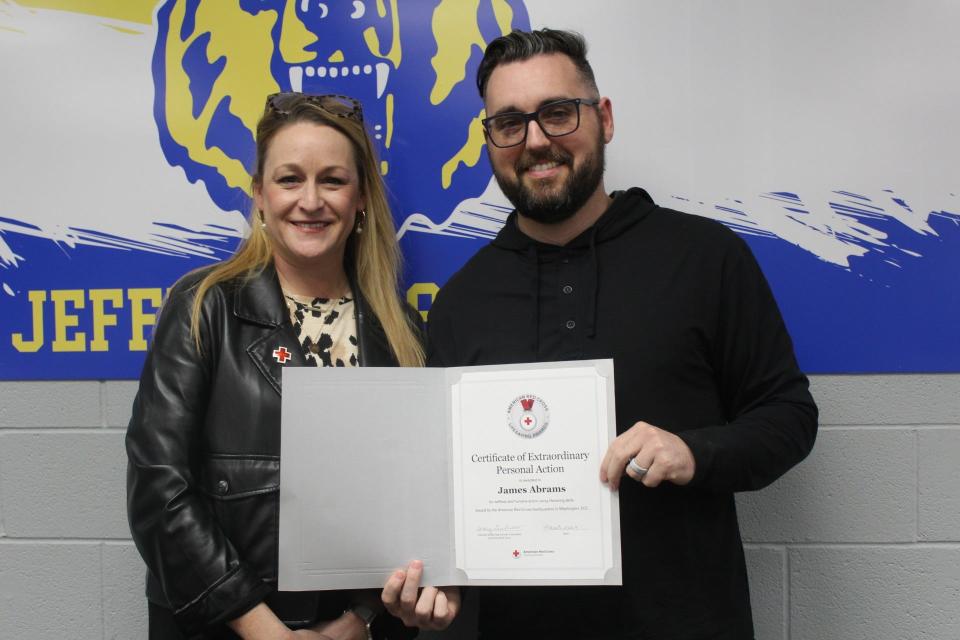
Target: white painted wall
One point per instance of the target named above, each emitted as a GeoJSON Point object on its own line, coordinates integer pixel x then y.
{"type": "Point", "coordinates": [862, 541]}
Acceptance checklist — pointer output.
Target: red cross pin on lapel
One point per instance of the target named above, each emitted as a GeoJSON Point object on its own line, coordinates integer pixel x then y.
{"type": "Point", "coordinates": [282, 355]}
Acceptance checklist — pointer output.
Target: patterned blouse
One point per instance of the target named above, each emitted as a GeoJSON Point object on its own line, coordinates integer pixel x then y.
{"type": "Point", "coordinates": [326, 329]}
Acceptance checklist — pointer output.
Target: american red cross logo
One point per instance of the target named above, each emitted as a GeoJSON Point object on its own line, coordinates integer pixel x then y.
{"type": "Point", "coordinates": [527, 420]}
{"type": "Point", "coordinates": [516, 554]}
{"type": "Point", "coordinates": [282, 355]}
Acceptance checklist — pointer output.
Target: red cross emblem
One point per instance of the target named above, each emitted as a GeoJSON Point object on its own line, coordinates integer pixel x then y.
{"type": "Point", "coordinates": [282, 355]}
{"type": "Point", "coordinates": [527, 420]}
{"type": "Point", "coordinates": [516, 554]}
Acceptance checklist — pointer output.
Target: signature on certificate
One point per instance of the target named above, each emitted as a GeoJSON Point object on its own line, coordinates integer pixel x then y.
{"type": "Point", "coordinates": [499, 531]}
{"type": "Point", "coordinates": [565, 529]}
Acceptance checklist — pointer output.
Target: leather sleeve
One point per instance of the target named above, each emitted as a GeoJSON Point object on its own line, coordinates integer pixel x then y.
{"type": "Point", "coordinates": [203, 579]}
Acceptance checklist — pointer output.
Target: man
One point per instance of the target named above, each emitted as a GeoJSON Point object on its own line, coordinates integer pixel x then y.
{"type": "Point", "coordinates": [708, 393]}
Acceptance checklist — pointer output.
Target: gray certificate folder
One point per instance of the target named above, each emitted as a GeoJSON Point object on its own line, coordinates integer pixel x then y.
{"type": "Point", "coordinates": [367, 480]}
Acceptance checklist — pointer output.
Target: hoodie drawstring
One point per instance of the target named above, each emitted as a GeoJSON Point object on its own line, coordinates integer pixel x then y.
{"type": "Point", "coordinates": [534, 255]}
{"type": "Point", "coordinates": [593, 286]}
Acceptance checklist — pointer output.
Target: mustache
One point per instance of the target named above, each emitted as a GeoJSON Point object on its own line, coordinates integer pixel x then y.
{"type": "Point", "coordinates": [528, 159]}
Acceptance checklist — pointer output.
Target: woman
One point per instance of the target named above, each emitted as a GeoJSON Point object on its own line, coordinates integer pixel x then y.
{"type": "Point", "coordinates": [315, 283]}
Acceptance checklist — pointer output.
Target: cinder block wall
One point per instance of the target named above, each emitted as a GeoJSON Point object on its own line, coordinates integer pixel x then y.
{"type": "Point", "coordinates": [67, 566]}
{"type": "Point", "coordinates": [861, 541]}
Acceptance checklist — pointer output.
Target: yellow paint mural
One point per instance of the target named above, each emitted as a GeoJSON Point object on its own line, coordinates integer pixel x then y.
{"type": "Point", "coordinates": [295, 37]}
{"type": "Point", "coordinates": [186, 82]}
{"type": "Point", "coordinates": [140, 11]}
{"type": "Point", "coordinates": [503, 12]}
{"type": "Point", "coordinates": [245, 79]}
{"type": "Point", "coordinates": [132, 32]}
{"type": "Point", "coordinates": [469, 153]}
{"type": "Point", "coordinates": [372, 39]}
{"type": "Point", "coordinates": [457, 32]}
{"type": "Point", "coordinates": [389, 139]}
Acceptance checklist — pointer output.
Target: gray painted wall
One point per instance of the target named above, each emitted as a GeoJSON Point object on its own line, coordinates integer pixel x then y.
{"type": "Point", "coordinates": [861, 541]}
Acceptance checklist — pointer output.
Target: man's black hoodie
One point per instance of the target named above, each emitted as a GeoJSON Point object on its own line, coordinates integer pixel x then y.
{"type": "Point", "coordinates": [699, 349]}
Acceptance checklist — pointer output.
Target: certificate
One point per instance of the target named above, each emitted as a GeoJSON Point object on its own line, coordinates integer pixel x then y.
{"type": "Point", "coordinates": [490, 475]}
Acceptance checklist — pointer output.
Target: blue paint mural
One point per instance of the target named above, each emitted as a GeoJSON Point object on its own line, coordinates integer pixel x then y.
{"type": "Point", "coordinates": [868, 282]}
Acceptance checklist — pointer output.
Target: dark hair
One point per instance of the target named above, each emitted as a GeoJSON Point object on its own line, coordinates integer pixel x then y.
{"type": "Point", "coordinates": [523, 45]}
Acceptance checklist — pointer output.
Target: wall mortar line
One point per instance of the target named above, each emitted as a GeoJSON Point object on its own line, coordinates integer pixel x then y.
{"type": "Point", "coordinates": [786, 592]}
{"type": "Point", "coordinates": [103, 599]}
{"type": "Point", "coordinates": [3, 530]}
{"type": "Point", "coordinates": [916, 471]}
{"type": "Point", "coordinates": [103, 404]}
{"type": "Point", "coordinates": [64, 430]}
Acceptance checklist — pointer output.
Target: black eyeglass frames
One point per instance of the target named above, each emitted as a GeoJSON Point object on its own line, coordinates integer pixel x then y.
{"type": "Point", "coordinates": [558, 118]}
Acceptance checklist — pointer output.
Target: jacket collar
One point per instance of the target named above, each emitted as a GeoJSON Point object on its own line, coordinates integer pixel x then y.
{"type": "Point", "coordinates": [260, 299]}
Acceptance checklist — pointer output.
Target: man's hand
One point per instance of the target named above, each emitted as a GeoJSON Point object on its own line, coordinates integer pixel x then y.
{"type": "Point", "coordinates": [663, 454]}
{"type": "Point", "coordinates": [434, 609]}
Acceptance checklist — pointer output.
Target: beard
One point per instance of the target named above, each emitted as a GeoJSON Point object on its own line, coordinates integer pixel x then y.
{"type": "Point", "coordinates": [552, 205]}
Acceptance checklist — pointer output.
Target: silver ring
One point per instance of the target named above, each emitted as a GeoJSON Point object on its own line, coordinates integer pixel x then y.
{"type": "Point", "coordinates": [637, 469]}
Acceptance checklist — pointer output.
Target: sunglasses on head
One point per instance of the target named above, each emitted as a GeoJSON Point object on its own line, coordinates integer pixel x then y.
{"type": "Point", "coordinates": [337, 105]}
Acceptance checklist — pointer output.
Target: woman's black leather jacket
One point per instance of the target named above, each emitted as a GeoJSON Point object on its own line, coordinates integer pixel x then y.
{"type": "Point", "coordinates": [203, 446]}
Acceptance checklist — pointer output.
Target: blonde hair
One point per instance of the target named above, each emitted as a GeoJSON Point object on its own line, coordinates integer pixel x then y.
{"type": "Point", "coordinates": [375, 253]}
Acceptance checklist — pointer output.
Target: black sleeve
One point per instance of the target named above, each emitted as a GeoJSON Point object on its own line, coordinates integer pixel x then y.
{"type": "Point", "coordinates": [772, 418]}
{"type": "Point", "coordinates": [203, 579]}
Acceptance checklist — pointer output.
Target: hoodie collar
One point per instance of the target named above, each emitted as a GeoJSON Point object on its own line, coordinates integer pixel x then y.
{"type": "Point", "coordinates": [626, 209]}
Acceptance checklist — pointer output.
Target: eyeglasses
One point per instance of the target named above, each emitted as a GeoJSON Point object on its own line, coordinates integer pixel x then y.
{"type": "Point", "coordinates": [559, 118]}
{"type": "Point", "coordinates": [337, 105]}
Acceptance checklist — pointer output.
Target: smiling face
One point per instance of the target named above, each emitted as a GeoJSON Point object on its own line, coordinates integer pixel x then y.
{"type": "Point", "coordinates": [309, 195]}
{"type": "Point", "coordinates": [549, 180]}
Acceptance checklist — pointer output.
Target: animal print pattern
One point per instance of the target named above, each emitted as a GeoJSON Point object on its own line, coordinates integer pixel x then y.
{"type": "Point", "coordinates": [326, 329]}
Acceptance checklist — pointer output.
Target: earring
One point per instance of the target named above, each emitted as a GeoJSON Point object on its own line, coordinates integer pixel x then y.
{"type": "Point", "coordinates": [263, 223]}
{"type": "Point", "coordinates": [361, 220]}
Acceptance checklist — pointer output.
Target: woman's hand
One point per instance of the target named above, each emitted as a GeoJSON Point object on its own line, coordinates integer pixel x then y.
{"type": "Point", "coordinates": [299, 634]}
{"type": "Point", "coordinates": [349, 626]}
{"type": "Point", "coordinates": [261, 622]}
{"type": "Point", "coordinates": [434, 609]}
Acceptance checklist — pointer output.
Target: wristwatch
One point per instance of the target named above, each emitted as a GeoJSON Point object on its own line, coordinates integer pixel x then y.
{"type": "Point", "coordinates": [366, 614]}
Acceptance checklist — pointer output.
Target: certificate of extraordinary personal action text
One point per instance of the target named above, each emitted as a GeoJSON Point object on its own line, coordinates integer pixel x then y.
{"type": "Point", "coordinates": [490, 475]}
{"type": "Point", "coordinates": [528, 503]}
